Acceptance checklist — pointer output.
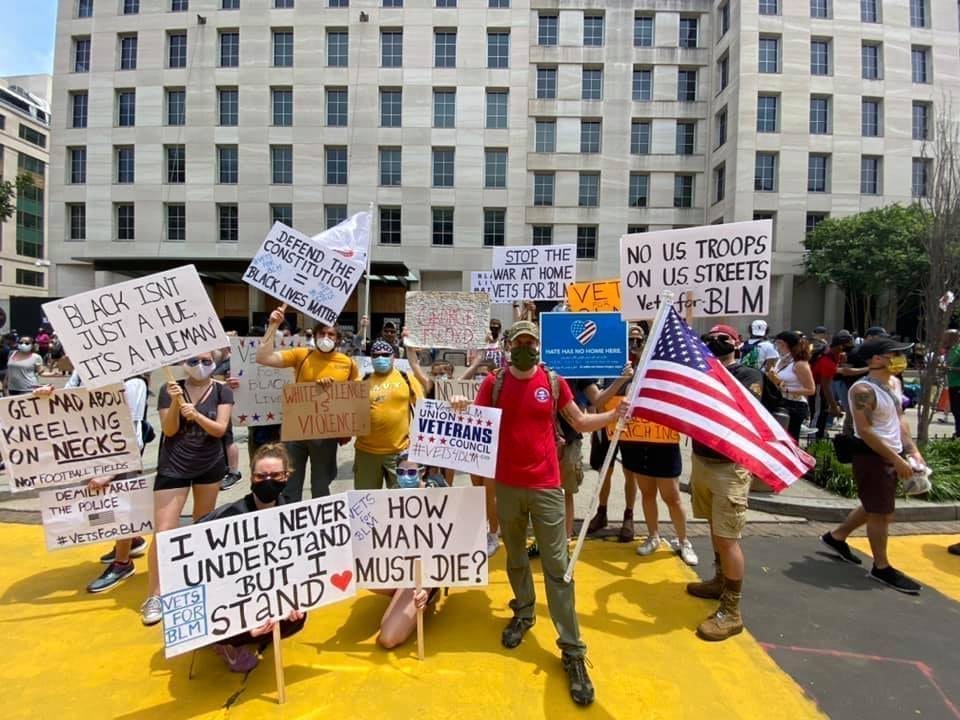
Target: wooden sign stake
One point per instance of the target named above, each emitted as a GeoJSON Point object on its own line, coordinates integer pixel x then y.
{"type": "Point", "coordinates": [278, 664]}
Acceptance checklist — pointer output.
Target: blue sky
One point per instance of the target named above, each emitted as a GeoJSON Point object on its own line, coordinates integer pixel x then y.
{"type": "Point", "coordinates": [27, 28]}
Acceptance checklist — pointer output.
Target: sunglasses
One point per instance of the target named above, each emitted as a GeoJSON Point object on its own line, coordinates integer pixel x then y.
{"type": "Point", "coordinates": [193, 362]}
{"type": "Point", "coordinates": [408, 472]}
{"type": "Point", "coordinates": [386, 355]}
{"type": "Point", "coordinates": [719, 336]}
{"type": "Point", "coordinates": [271, 477]}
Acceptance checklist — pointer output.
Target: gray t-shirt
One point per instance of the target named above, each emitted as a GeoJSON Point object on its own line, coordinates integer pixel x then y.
{"type": "Point", "coordinates": [22, 372]}
{"type": "Point", "coordinates": [193, 452]}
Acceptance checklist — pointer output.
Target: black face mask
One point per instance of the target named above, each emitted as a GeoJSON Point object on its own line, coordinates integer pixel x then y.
{"type": "Point", "coordinates": [267, 491]}
{"type": "Point", "coordinates": [720, 348]}
{"type": "Point", "coordinates": [495, 332]}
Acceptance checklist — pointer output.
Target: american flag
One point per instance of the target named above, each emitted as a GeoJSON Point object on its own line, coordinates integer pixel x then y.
{"type": "Point", "coordinates": [684, 387]}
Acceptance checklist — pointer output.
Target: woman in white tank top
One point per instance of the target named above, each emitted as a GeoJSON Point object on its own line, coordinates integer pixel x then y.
{"type": "Point", "coordinates": [794, 378]}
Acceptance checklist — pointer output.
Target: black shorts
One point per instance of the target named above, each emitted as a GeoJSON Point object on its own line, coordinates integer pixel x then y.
{"type": "Point", "coordinates": [876, 482]}
{"type": "Point", "coordinates": [214, 475]}
{"type": "Point", "coordinates": [659, 460]}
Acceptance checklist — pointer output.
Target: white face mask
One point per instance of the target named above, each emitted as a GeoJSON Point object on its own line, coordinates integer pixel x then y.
{"type": "Point", "coordinates": [199, 372]}
{"type": "Point", "coordinates": [326, 344]}
{"type": "Point", "coordinates": [23, 347]}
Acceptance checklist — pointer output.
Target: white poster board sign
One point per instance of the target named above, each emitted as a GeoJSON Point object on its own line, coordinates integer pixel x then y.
{"type": "Point", "coordinates": [532, 272]}
{"type": "Point", "coordinates": [444, 527]}
{"type": "Point", "coordinates": [78, 515]}
{"type": "Point", "coordinates": [467, 441]}
{"type": "Point", "coordinates": [303, 273]}
{"type": "Point", "coordinates": [481, 281]}
{"type": "Point", "coordinates": [448, 389]}
{"type": "Point", "coordinates": [455, 320]}
{"type": "Point", "coordinates": [136, 326]}
{"type": "Point", "coordinates": [713, 270]}
{"type": "Point", "coordinates": [259, 398]}
{"type": "Point", "coordinates": [67, 437]}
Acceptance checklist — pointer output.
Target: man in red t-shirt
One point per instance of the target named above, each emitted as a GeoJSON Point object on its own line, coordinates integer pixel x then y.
{"type": "Point", "coordinates": [528, 489]}
{"type": "Point", "coordinates": [824, 370]}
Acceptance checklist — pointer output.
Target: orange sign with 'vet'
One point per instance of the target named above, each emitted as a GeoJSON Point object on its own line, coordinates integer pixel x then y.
{"type": "Point", "coordinates": [600, 296]}
{"type": "Point", "coordinates": [639, 430]}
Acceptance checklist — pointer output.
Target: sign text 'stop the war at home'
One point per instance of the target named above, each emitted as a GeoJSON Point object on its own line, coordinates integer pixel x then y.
{"type": "Point", "coordinates": [532, 272]}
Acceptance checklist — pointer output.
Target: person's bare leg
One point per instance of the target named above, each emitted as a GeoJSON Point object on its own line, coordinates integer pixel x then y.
{"type": "Point", "coordinates": [731, 558]}
{"type": "Point", "coordinates": [670, 492]}
{"type": "Point", "coordinates": [167, 506]}
{"type": "Point", "coordinates": [648, 501]}
{"type": "Point", "coordinates": [605, 487]}
{"type": "Point", "coordinates": [399, 621]}
{"type": "Point", "coordinates": [233, 457]}
{"type": "Point", "coordinates": [877, 532]}
{"type": "Point", "coordinates": [121, 550]}
{"type": "Point", "coordinates": [204, 499]}
{"type": "Point", "coordinates": [629, 490]}
{"type": "Point", "coordinates": [856, 519]}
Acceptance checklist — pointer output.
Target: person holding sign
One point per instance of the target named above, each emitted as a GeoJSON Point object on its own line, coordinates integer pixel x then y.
{"type": "Point", "coordinates": [22, 369]}
{"type": "Point", "coordinates": [194, 418]}
{"type": "Point", "coordinates": [322, 364]}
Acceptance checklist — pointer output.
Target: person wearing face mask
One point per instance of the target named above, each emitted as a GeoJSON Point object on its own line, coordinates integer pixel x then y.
{"type": "Point", "coordinates": [195, 420]}
{"type": "Point", "coordinates": [882, 439]}
{"type": "Point", "coordinates": [824, 371]}
{"type": "Point", "coordinates": [393, 395]}
{"type": "Point", "coordinates": [269, 472]}
{"type": "Point", "coordinates": [322, 364]}
{"type": "Point", "coordinates": [221, 372]}
{"type": "Point", "coordinates": [23, 367]}
{"type": "Point", "coordinates": [794, 379]}
{"type": "Point", "coordinates": [440, 370]}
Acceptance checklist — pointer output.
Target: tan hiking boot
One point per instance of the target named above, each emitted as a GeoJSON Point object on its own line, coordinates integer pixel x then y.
{"type": "Point", "coordinates": [710, 589]}
{"type": "Point", "coordinates": [725, 622]}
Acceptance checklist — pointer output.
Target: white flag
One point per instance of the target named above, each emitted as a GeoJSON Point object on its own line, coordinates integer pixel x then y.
{"type": "Point", "coordinates": [351, 238]}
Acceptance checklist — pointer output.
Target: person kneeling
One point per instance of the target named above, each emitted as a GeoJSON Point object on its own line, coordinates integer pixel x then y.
{"type": "Point", "coordinates": [269, 472]}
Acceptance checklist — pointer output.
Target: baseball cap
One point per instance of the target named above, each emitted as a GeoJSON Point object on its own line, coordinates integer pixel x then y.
{"type": "Point", "coordinates": [820, 329]}
{"type": "Point", "coordinates": [726, 329]}
{"type": "Point", "coordinates": [841, 338]}
{"type": "Point", "coordinates": [881, 346]}
{"type": "Point", "coordinates": [874, 331]}
{"type": "Point", "coordinates": [758, 328]}
{"type": "Point", "coordinates": [523, 327]}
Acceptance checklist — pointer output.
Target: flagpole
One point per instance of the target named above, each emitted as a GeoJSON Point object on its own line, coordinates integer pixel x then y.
{"type": "Point", "coordinates": [666, 300]}
{"type": "Point", "coordinates": [366, 298]}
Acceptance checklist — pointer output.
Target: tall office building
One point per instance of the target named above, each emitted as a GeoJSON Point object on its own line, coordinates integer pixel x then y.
{"type": "Point", "coordinates": [474, 123]}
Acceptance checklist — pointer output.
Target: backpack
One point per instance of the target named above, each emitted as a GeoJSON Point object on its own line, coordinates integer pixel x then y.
{"type": "Point", "coordinates": [147, 433]}
{"type": "Point", "coordinates": [770, 396]}
{"type": "Point", "coordinates": [750, 354]}
{"type": "Point", "coordinates": [554, 379]}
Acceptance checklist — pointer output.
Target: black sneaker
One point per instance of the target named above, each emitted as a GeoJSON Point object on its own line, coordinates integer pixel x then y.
{"type": "Point", "coordinates": [841, 548]}
{"type": "Point", "coordinates": [230, 479]}
{"type": "Point", "coordinates": [112, 576]}
{"type": "Point", "coordinates": [581, 689]}
{"type": "Point", "coordinates": [137, 549]}
{"type": "Point", "coordinates": [513, 633]}
{"type": "Point", "coordinates": [895, 579]}
{"type": "Point", "coordinates": [954, 549]}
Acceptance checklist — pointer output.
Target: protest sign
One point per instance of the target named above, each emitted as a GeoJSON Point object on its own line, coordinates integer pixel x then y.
{"type": "Point", "coordinates": [136, 326]}
{"type": "Point", "coordinates": [714, 270]}
{"type": "Point", "coordinates": [67, 437]}
{"type": "Point", "coordinates": [312, 411]}
{"type": "Point", "coordinates": [599, 296]}
{"type": "Point", "coordinates": [445, 528]}
{"type": "Point", "coordinates": [446, 389]}
{"type": "Point", "coordinates": [532, 272]}
{"type": "Point", "coordinates": [584, 345]}
{"type": "Point", "coordinates": [447, 320]}
{"type": "Point", "coordinates": [467, 441]}
{"type": "Point", "coordinates": [259, 398]}
{"type": "Point", "coordinates": [481, 282]}
{"type": "Point", "coordinates": [226, 576]}
{"type": "Point", "coordinates": [78, 515]}
{"type": "Point", "coordinates": [304, 273]}
{"type": "Point", "coordinates": [639, 430]}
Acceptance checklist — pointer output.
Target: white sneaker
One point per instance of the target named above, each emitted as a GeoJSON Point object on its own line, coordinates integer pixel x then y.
{"type": "Point", "coordinates": [685, 551]}
{"type": "Point", "coordinates": [649, 545]}
{"type": "Point", "coordinates": [493, 543]}
{"type": "Point", "coordinates": [151, 612]}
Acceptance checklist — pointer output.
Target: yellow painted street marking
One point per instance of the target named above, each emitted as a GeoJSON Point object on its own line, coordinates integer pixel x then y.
{"type": "Point", "coordinates": [925, 559]}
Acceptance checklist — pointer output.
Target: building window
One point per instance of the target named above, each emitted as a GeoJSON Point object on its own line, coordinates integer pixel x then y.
{"type": "Point", "coordinates": [546, 29]}
{"type": "Point", "coordinates": [77, 157]}
{"type": "Point", "coordinates": [391, 48]}
{"type": "Point", "coordinates": [179, 5]}
{"type": "Point", "coordinates": [765, 172]}
{"type": "Point", "coordinates": [720, 123]}
{"type": "Point", "coordinates": [643, 31]}
{"type": "Point", "coordinates": [683, 191]}
{"type": "Point", "coordinates": [497, 102]}
{"type": "Point", "coordinates": [918, 13]}
{"type": "Point", "coordinates": [640, 137]}
{"type": "Point", "coordinates": [593, 30]}
{"type": "Point", "coordinates": [32, 136]}
{"type": "Point", "coordinates": [590, 134]}
{"type": "Point", "coordinates": [685, 137]}
{"type": "Point", "coordinates": [336, 101]}
{"type": "Point", "coordinates": [228, 106]}
{"type": "Point", "coordinates": [229, 4]}
{"type": "Point", "coordinates": [495, 168]}
{"type": "Point", "coordinates": [542, 235]}
{"type": "Point", "coordinates": [819, 115]}
{"type": "Point", "coordinates": [920, 64]}
{"type": "Point", "coordinates": [686, 85]}
{"type": "Point", "coordinates": [870, 61]}
{"type": "Point", "coordinates": [586, 242]}
{"type": "Point", "coordinates": [333, 215]}
{"type": "Point", "coordinates": [545, 136]}
{"type": "Point", "coordinates": [77, 221]}
{"type": "Point", "coordinates": [814, 219]}
{"type": "Point", "coordinates": [390, 226]}
{"type": "Point", "coordinates": [546, 83]}
{"type": "Point", "coordinates": [336, 165]}
{"type": "Point", "coordinates": [84, 8]}
{"type": "Point", "coordinates": [767, 113]}
{"type": "Point", "coordinates": [818, 172]}
{"type": "Point", "coordinates": [769, 7]}
{"type": "Point", "coordinates": [444, 48]}
{"type": "Point", "coordinates": [176, 164]}
{"type": "Point", "coordinates": [176, 222]}
{"type": "Point", "coordinates": [177, 50]}
{"type": "Point", "coordinates": [498, 49]}
{"type": "Point", "coordinates": [724, 18]}
{"type": "Point", "coordinates": [443, 167]}
{"type": "Point", "coordinates": [820, 8]}
{"type": "Point", "coordinates": [126, 108]}
{"type": "Point", "coordinates": [443, 226]}
{"type": "Point", "coordinates": [390, 166]}
{"type": "Point", "coordinates": [30, 209]}
{"type": "Point", "coordinates": [688, 32]}
{"type": "Point", "coordinates": [446, 3]}
{"type": "Point", "coordinates": [494, 226]}
{"type": "Point", "coordinates": [639, 190]}
{"type": "Point", "coordinates": [719, 182]}
{"type": "Point", "coordinates": [281, 164]}
{"type": "Point", "coordinates": [920, 178]}
{"type": "Point", "coordinates": [498, 4]}
{"type": "Point", "coordinates": [636, 229]}
{"type": "Point", "coordinates": [78, 109]}
{"type": "Point", "coordinates": [282, 101]}
{"type": "Point", "coordinates": [543, 184]}
{"type": "Point", "coordinates": [338, 48]}
{"type": "Point", "coordinates": [589, 190]}
{"type": "Point", "coordinates": [391, 107]}
{"type": "Point", "coordinates": [27, 163]}
{"type": "Point", "coordinates": [869, 175]}
{"type": "Point", "coordinates": [229, 48]}
{"type": "Point", "coordinates": [723, 72]}
{"type": "Point", "coordinates": [444, 108]}
{"type": "Point", "coordinates": [642, 84]}
{"type": "Point", "coordinates": [921, 121]}
{"type": "Point", "coordinates": [592, 83]}
{"type": "Point", "coordinates": [176, 106]}
{"type": "Point", "coordinates": [128, 52]}
{"type": "Point", "coordinates": [283, 48]}
{"type": "Point", "coordinates": [870, 124]}
{"type": "Point", "coordinates": [29, 278]}
{"type": "Point", "coordinates": [81, 54]}
{"type": "Point", "coordinates": [769, 55]}
{"type": "Point", "coordinates": [227, 165]}
{"type": "Point", "coordinates": [869, 11]}
{"type": "Point", "coordinates": [126, 221]}
{"type": "Point", "coordinates": [819, 57]}
{"type": "Point", "coordinates": [228, 222]}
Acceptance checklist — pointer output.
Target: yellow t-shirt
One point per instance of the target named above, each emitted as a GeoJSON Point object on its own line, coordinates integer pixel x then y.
{"type": "Point", "coordinates": [390, 405]}
{"type": "Point", "coordinates": [310, 364]}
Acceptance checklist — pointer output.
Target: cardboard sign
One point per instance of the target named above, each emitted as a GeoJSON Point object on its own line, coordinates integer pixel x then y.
{"type": "Point", "coordinates": [259, 399]}
{"type": "Point", "coordinates": [447, 320]}
{"type": "Point", "coordinates": [71, 436]}
{"type": "Point", "coordinates": [481, 282]}
{"type": "Point", "coordinates": [78, 515]}
{"type": "Point", "coordinates": [444, 527]}
{"type": "Point", "coordinates": [714, 270]}
{"type": "Point", "coordinates": [226, 576]}
{"type": "Point", "coordinates": [136, 326]}
{"type": "Point", "coordinates": [306, 274]}
{"type": "Point", "coordinates": [600, 296]}
{"type": "Point", "coordinates": [338, 410]}
{"type": "Point", "coordinates": [467, 441]}
{"type": "Point", "coordinates": [532, 272]}
{"type": "Point", "coordinates": [640, 430]}
{"type": "Point", "coordinates": [584, 345]}
{"type": "Point", "coordinates": [447, 389]}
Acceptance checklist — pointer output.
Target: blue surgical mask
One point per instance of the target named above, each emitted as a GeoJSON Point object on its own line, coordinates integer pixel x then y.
{"type": "Point", "coordinates": [382, 365]}
{"type": "Point", "coordinates": [408, 478]}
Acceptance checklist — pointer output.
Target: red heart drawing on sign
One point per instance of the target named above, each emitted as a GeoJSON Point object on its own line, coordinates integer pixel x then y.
{"type": "Point", "coordinates": [341, 580]}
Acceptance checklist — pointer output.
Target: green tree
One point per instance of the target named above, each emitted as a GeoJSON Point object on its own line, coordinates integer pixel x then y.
{"type": "Point", "coordinates": [870, 255]}
{"type": "Point", "coordinates": [8, 195]}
